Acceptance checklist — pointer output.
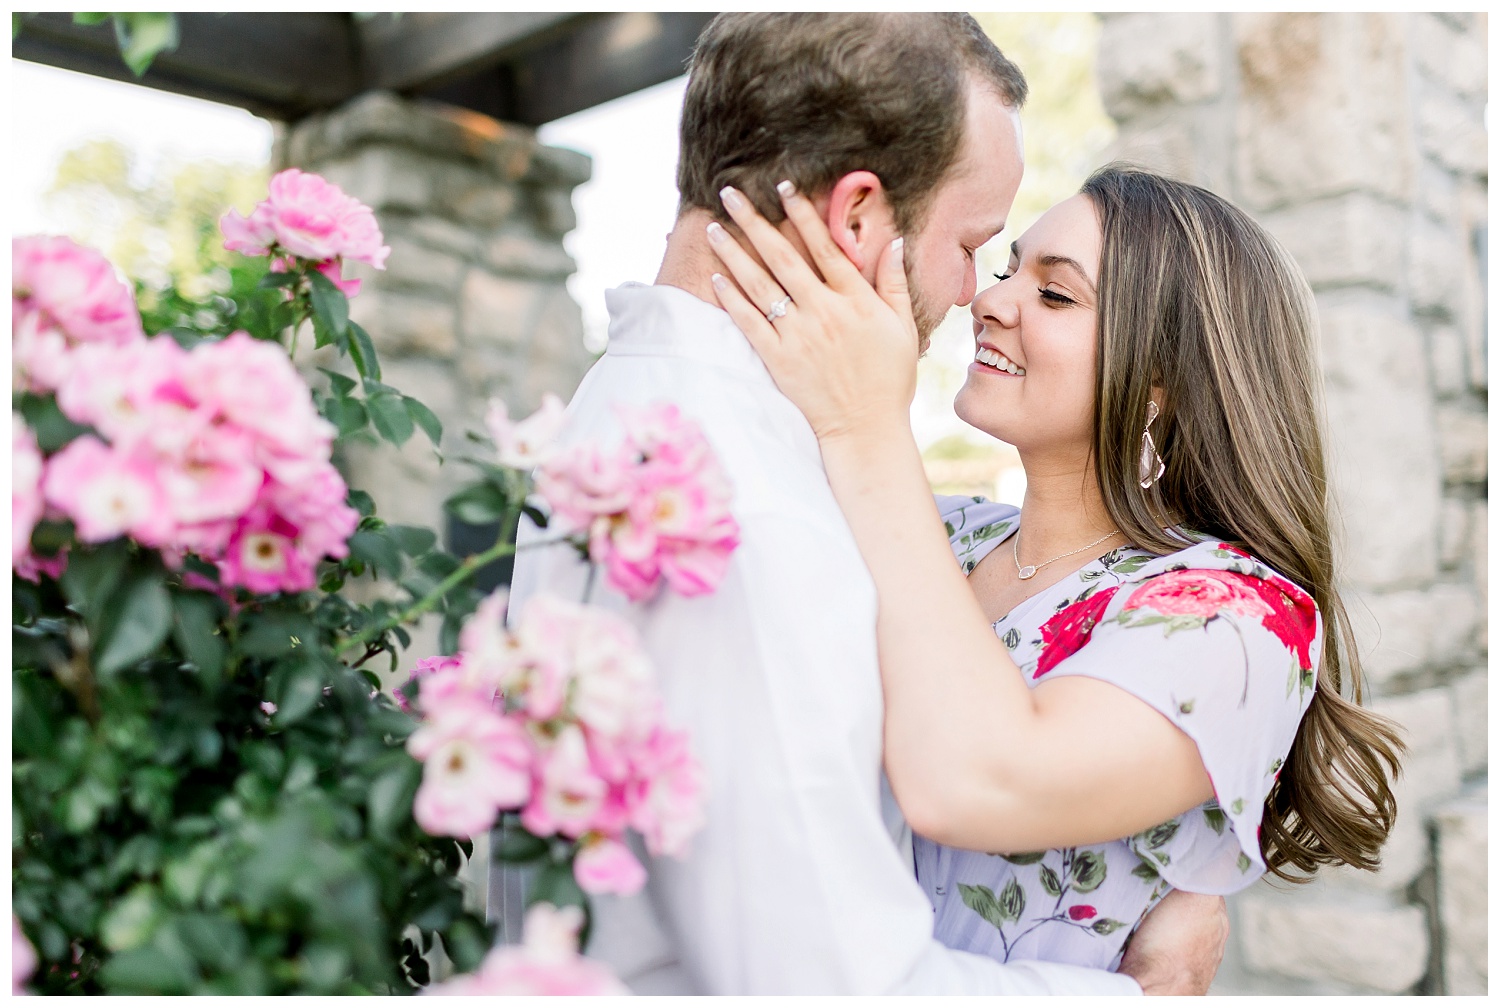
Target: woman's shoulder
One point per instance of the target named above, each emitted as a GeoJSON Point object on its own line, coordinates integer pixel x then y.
{"type": "Point", "coordinates": [975, 526]}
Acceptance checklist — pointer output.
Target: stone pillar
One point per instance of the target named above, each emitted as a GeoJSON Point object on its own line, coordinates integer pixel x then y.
{"type": "Point", "coordinates": [473, 302]}
{"type": "Point", "coordinates": [1359, 141]}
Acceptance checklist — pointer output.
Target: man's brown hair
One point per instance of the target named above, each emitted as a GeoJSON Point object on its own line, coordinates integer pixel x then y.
{"type": "Point", "coordinates": [813, 97]}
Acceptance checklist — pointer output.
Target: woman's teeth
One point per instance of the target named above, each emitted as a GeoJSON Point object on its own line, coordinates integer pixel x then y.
{"type": "Point", "coordinates": [996, 359]}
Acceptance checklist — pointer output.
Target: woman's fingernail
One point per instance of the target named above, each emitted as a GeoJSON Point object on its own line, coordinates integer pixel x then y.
{"type": "Point", "coordinates": [720, 284]}
{"type": "Point", "coordinates": [898, 247]}
{"type": "Point", "coordinates": [730, 197]}
{"type": "Point", "coordinates": [786, 188]}
{"type": "Point", "coordinates": [716, 232]}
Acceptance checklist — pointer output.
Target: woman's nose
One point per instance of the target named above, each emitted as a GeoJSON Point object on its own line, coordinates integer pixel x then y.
{"type": "Point", "coordinates": [995, 307]}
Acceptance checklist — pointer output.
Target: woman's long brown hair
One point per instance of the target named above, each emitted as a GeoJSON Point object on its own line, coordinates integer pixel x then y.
{"type": "Point", "coordinates": [1199, 304]}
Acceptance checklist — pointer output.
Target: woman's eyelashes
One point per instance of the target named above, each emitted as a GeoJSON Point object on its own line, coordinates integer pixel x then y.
{"type": "Point", "coordinates": [1047, 295]}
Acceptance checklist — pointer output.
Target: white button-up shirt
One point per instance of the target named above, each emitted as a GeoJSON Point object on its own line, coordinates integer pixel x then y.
{"type": "Point", "coordinates": [802, 880]}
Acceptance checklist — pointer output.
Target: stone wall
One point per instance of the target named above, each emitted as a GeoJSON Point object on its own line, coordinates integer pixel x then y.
{"type": "Point", "coordinates": [1359, 141]}
{"type": "Point", "coordinates": [472, 303]}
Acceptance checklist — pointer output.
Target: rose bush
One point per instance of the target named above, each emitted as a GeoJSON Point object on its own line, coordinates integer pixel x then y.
{"type": "Point", "coordinates": [211, 794]}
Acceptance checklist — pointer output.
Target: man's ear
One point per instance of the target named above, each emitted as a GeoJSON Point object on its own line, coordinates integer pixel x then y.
{"type": "Point", "coordinates": [860, 218]}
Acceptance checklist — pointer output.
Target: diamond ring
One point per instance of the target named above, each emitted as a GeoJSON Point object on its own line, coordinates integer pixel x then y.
{"type": "Point", "coordinates": [778, 309]}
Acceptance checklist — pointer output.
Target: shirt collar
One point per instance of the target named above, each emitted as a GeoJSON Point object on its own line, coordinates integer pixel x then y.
{"type": "Point", "coordinates": [660, 320]}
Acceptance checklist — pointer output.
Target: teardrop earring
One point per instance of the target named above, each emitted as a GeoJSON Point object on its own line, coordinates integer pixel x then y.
{"type": "Point", "coordinates": [1152, 462]}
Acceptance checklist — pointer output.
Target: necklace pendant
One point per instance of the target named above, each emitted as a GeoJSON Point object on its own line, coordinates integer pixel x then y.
{"type": "Point", "coordinates": [1027, 573]}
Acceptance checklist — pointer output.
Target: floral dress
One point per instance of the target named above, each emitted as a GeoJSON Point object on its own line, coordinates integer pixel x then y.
{"type": "Point", "coordinates": [1218, 643]}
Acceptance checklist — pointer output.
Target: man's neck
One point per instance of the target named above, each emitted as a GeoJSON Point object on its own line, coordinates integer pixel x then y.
{"type": "Point", "coordinates": [689, 263]}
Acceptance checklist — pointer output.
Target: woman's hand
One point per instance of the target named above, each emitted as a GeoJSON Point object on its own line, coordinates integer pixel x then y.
{"type": "Point", "coordinates": [844, 352]}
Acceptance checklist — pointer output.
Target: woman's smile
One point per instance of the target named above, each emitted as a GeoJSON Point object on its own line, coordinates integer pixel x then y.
{"type": "Point", "coordinates": [990, 360]}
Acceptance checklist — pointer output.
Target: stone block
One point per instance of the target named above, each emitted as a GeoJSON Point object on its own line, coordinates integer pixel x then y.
{"type": "Point", "coordinates": [556, 358]}
{"type": "Point", "coordinates": [498, 310]}
{"type": "Point", "coordinates": [560, 166]}
{"type": "Point", "coordinates": [554, 212]}
{"type": "Point", "coordinates": [1451, 130]}
{"type": "Point", "coordinates": [1351, 239]}
{"type": "Point", "coordinates": [1376, 949]}
{"type": "Point", "coordinates": [1479, 551]}
{"type": "Point", "coordinates": [1161, 143]}
{"type": "Point", "coordinates": [445, 236]}
{"type": "Point", "coordinates": [1451, 55]}
{"type": "Point", "coordinates": [414, 264]}
{"type": "Point", "coordinates": [477, 198]}
{"type": "Point", "coordinates": [1453, 533]}
{"type": "Point", "coordinates": [1382, 440]}
{"type": "Point", "coordinates": [520, 254]}
{"type": "Point", "coordinates": [1471, 703]}
{"type": "Point", "coordinates": [1324, 107]}
{"type": "Point", "coordinates": [384, 178]}
{"type": "Point", "coordinates": [1462, 834]}
{"type": "Point", "coordinates": [1405, 632]}
{"type": "Point", "coordinates": [1447, 356]}
{"type": "Point", "coordinates": [1463, 440]}
{"type": "Point", "coordinates": [406, 324]}
{"type": "Point", "coordinates": [1436, 270]}
{"type": "Point", "coordinates": [1438, 194]}
{"type": "Point", "coordinates": [1152, 59]}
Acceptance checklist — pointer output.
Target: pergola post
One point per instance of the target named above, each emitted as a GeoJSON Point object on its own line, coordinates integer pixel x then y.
{"type": "Point", "coordinates": [1359, 141]}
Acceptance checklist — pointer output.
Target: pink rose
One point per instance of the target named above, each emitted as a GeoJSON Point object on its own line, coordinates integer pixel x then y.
{"type": "Point", "coordinates": [308, 217]}
{"type": "Point", "coordinates": [1204, 593]}
{"type": "Point", "coordinates": [75, 288]}
{"type": "Point", "coordinates": [584, 483]}
{"type": "Point", "coordinates": [107, 493]}
{"type": "Point", "coordinates": [667, 796]}
{"type": "Point", "coordinates": [525, 444]}
{"type": "Point", "coordinates": [420, 671]}
{"type": "Point", "coordinates": [1070, 629]}
{"type": "Point", "coordinates": [262, 556]}
{"type": "Point", "coordinates": [333, 269]}
{"type": "Point", "coordinates": [1082, 913]}
{"type": "Point", "coordinates": [568, 791]}
{"type": "Point", "coordinates": [25, 487]}
{"type": "Point", "coordinates": [22, 958]}
{"type": "Point", "coordinates": [546, 962]}
{"type": "Point", "coordinates": [476, 762]}
{"type": "Point", "coordinates": [614, 691]}
{"type": "Point", "coordinates": [607, 866]}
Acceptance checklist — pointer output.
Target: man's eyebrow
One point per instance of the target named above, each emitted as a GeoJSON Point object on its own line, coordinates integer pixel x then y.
{"type": "Point", "coordinates": [1057, 260]}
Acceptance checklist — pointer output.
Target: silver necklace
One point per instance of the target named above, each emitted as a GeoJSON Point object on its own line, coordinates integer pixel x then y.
{"type": "Point", "coordinates": [1029, 571]}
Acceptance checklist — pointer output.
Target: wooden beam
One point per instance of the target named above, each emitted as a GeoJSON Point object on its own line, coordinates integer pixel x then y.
{"type": "Point", "coordinates": [426, 49]}
{"type": "Point", "coordinates": [528, 68]}
{"type": "Point", "coordinates": [282, 66]}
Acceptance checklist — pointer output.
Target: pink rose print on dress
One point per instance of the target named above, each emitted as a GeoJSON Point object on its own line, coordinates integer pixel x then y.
{"type": "Point", "coordinates": [1070, 630]}
{"type": "Point", "coordinates": [1201, 594]}
{"type": "Point", "coordinates": [1082, 913]}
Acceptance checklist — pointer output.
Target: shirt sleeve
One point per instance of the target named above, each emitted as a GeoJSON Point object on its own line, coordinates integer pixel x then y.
{"type": "Point", "coordinates": [795, 884]}
{"type": "Point", "coordinates": [1228, 658]}
{"type": "Point", "coordinates": [975, 526]}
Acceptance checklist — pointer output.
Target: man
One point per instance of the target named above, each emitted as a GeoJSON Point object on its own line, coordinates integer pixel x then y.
{"type": "Point", "coordinates": [802, 880]}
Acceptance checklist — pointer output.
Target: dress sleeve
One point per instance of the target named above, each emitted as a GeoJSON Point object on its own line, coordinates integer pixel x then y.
{"type": "Point", "coordinates": [1229, 659]}
{"type": "Point", "coordinates": [975, 526]}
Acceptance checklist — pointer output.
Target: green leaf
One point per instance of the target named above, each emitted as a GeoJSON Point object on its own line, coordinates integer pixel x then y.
{"type": "Point", "coordinates": [1088, 870]}
{"type": "Point", "coordinates": [390, 418]}
{"type": "Point", "coordinates": [513, 845]}
{"type": "Point", "coordinates": [301, 689]}
{"type": "Point", "coordinates": [341, 384]}
{"type": "Point", "coordinates": [1243, 863]}
{"type": "Point", "coordinates": [362, 502]}
{"type": "Point", "coordinates": [348, 415]}
{"type": "Point", "coordinates": [1145, 872]}
{"type": "Point", "coordinates": [131, 922]}
{"type": "Point", "coordinates": [376, 549]}
{"type": "Point", "coordinates": [981, 899]}
{"type": "Point", "coordinates": [51, 426]}
{"type": "Point", "coordinates": [391, 796]}
{"type": "Point", "coordinates": [275, 281]}
{"type": "Point", "coordinates": [537, 515]}
{"type": "Point", "coordinates": [329, 305]}
{"type": "Point", "coordinates": [479, 504]}
{"type": "Point", "coordinates": [1050, 882]}
{"type": "Point", "coordinates": [414, 540]}
{"type": "Point", "coordinates": [195, 620]}
{"type": "Point", "coordinates": [1216, 819]}
{"type": "Point", "coordinates": [425, 419]}
{"type": "Point", "coordinates": [555, 884]}
{"type": "Point", "coordinates": [1012, 901]}
{"type": "Point", "coordinates": [1105, 925]}
{"type": "Point", "coordinates": [90, 19]}
{"type": "Point", "coordinates": [1025, 858]}
{"type": "Point", "coordinates": [362, 352]}
{"type": "Point", "coordinates": [143, 36]}
{"type": "Point", "coordinates": [133, 624]}
{"type": "Point", "coordinates": [274, 633]}
{"type": "Point", "coordinates": [91, 578]}
{"type": "Point", "coordinates": [1158, 836]}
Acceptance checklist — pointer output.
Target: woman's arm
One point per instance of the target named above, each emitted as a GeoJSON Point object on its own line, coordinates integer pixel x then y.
{"type": "Point", "coordinates": [975, 758]}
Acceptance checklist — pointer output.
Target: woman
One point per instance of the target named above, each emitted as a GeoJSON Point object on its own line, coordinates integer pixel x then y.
{"type": "Point", "coordinates": [1141, 688]}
